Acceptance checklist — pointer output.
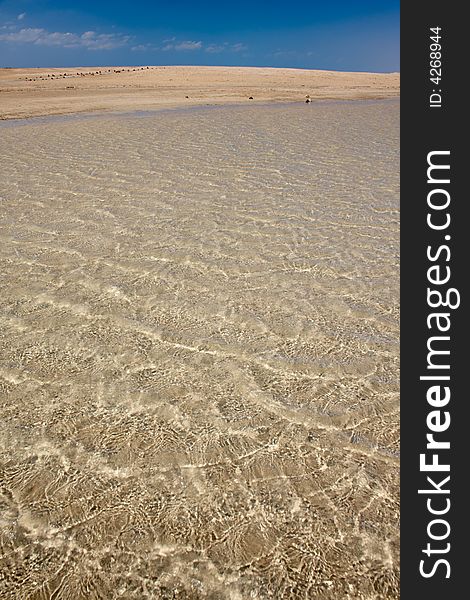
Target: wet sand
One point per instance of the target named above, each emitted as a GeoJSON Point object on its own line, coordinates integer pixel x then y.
{"type": "Point", "coordinates": [199, 376]}
{"type": "Point", "coordinates": [38, 92]}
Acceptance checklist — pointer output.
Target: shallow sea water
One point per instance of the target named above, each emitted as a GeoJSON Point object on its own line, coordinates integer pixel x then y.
{"type": "Point", "coordinates": [199, 342]}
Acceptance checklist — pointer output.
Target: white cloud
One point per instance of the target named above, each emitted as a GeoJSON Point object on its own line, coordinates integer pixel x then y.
{"type": "Point", "coordinates": [215, 48]}
{"type": "Point", "coordinates": [103, 41]}
{"type": "Point", "coordinates": [91, 40]}
{"type": "Point", "coordinates": [239, 47]}
{"type": "Point", "coordinates": [189, 45]}
{"type": "Point", "coordinates": [22, 36]}
{"type": "Point", "coordinates": [181, 46]}
{"type": "Point", "coordinates": [141, 48]}
{"type": "Point", "coordinates": [225, 47]}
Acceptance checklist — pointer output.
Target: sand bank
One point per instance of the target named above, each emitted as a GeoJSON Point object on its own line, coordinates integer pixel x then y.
{"type": "Point", "coordinates": [39, 92]}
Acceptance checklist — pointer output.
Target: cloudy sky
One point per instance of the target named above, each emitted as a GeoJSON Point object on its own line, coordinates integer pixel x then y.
{"type": "Point", "coordinates": [357, 35]}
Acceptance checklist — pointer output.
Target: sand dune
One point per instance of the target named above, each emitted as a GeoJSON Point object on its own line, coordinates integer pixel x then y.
{"type": "Point", "coordinates": [39, 92]}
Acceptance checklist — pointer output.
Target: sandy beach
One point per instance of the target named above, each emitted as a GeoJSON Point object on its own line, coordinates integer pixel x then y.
{"type": "Point", "coordinates": [39, 92]}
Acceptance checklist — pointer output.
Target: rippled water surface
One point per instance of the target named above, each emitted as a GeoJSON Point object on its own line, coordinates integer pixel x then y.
{"type": "Point", "coordinates": [199, 341]}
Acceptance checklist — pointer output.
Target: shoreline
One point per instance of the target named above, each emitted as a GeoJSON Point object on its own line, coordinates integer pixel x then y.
{"type": "Point", "coordinates": [97, 114]}
{"type": "Point", "coordinates": [29, 93]}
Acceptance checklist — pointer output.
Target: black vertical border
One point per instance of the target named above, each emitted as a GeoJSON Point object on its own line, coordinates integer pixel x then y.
{"type": "Point", "coordinates": [425, 129]}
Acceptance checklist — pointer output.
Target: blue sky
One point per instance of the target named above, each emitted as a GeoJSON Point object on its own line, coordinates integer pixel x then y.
{"type": "Point", "coordinates": [355, 35]}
